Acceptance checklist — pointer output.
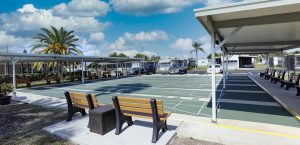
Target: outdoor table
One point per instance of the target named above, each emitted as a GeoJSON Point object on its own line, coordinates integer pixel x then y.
{"type": "Point", "coordinates": [102, 119]}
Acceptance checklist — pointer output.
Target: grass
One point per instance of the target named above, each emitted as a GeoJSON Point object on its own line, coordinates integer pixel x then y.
{"type": "Point", "coordinates": [22, 124]}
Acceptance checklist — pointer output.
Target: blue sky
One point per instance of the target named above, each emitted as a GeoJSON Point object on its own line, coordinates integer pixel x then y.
{"type": "Point", "coordinates": [153, 27]}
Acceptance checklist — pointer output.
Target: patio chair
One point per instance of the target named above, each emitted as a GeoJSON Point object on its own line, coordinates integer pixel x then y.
{"type": "Point", "coordinates": [126, 107]}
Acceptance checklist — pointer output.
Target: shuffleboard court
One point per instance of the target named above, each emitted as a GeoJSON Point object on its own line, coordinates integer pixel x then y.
{"type": "Point", "coordinates": [187, 94]}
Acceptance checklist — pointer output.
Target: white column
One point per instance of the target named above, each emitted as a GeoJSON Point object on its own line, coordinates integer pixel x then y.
{"type": "Point", "coordinates": [5, 69]}
{"type": "Point", "coordinates": [117, 73]}
{"type": "Point", "coordinates": [224, 71]}
{"type": "Point", "coordinates": [282, 63]}
{"type": "Point", "coordinates": [97, 71]}
{"type": "Point", "coordinates": [13, 62]}
{"type": "Point", "coordinates": [82, 71]}
{"type": "Point", "coordinates": [227, 61]}
{"type": "Point", "coordinates": [61, 72]}
{"type": "Point", "coordinates": [213, 78]}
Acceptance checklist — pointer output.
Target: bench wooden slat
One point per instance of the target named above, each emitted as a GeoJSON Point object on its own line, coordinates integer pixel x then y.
{"type": "Point", "coordinates": [146, 115]}
{"type": "Point", "coordinates": [79, 99]}
{"type": "Point", "coordinates": [137, 105]}
{"type": "Point", "coordinates": [138, 100]}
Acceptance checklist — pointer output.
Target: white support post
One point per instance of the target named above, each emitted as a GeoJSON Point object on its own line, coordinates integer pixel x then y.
{"type": "Point", "coordinates": [13, 62]}
{"type": "Point", "coordinates": [82, 71]}
{"type": "Point", "coordinates": [213, 78]}
{"type": "Point", "coordinates": [32, 69]}
{"type": "Point", "coordinates": [97, 71]}
{"type": "Point", "coordinates": [227, 61]}
{"type": "Point", "coordinates": [5, 69]}
{"type": "Point", "coordinates": [61, 72]}
{"type": "Point", "coordinates": [282, 62]}
{"type": "Point", "coordinates": [117, 67]}
{"type": "Point", "coordinates": [223, 65]}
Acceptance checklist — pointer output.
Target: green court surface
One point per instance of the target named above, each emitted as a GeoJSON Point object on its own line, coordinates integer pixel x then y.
{"type": "Point", "coordinates": [188, 94]}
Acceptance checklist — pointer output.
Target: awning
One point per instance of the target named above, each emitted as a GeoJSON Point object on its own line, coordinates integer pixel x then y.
{"type": "Point", "coordinates": [254, 27]}
{"type": "Point", "coordinates": [6, 57]}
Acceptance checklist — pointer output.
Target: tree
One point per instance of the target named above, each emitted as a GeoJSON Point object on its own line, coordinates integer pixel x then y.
{"type": "Point", "coordinates": [55, 41]}
{"type": "Point", "coordinates": [197, 47]}
{"type": "Point", "coordinates": [139, 55]}
{"type": "Point", "coordinates": [115, 54]}
{"type": "Point", "coordinates": [155, 58]}
{"type": "Point", "coordinates": [122, 55]}
{"type": "Point", "coordinates": [216, 55]}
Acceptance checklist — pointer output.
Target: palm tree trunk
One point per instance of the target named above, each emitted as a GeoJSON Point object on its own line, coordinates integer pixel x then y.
{"type": "Point", "coordinates": [196, 58]}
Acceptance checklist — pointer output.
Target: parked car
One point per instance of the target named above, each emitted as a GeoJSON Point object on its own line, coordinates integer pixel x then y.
{"type": "Point", "coordinates": [133, 71]}
{"type": "Point", "coordinates": [149, 70]}
{"type": "Point", "coordinates": [248, 66]}
{"type": "Point", "coordinates": [177, 69]}
{"type": "Point", "coordinates": [218, 69]}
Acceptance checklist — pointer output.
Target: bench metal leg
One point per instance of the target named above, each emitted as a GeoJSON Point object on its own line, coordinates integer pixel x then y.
{"type": "Point", "coordinates": [155, 133]}
{"type": "Point", "coordinates": [72, 111]}
{"type": "Point", "coordinates": [287, 87]}
{"type": "Point", "coordinates": [281, 84]}
{"type": "Point", "coordinates": [298, 91]}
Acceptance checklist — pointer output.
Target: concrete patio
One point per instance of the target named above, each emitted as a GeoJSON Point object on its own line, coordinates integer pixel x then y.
{"type": "Point", "coordinates": [138, 134]}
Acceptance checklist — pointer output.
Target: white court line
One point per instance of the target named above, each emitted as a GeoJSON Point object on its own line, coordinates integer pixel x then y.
{"type": "Point", "coordinates": [271, 104]}
{"type": "Point", "coordinates": [245, 91]}
{"type": "Point", "coordinates": [205, 103]}
{"type": "Point", "coordinates": [177, 104]}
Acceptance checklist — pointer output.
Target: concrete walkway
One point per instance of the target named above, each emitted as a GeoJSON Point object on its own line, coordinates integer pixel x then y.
{"type": "Point", "coordinates": [287, 98]}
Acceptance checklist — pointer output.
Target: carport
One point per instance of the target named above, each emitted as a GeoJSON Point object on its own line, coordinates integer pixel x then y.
{"type": "Point", "coordinates": [13, 58]}
{"type": "Point", "coordinates": [252, 27]}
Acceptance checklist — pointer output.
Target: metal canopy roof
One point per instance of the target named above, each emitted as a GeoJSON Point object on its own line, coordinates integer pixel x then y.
{"type": "Point", "coordinates": [259, 26]}
{"type": "Point", "coordinates": [6, 57]}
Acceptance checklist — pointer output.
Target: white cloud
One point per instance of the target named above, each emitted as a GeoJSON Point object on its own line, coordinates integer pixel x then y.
{"type": "Point", "coordinates": [147, 7]}
{"type": "Point", "coordinates": [27, 8]}
{"type": "Point", "coordinates": [13, 43]}
{"type": "Point", "coordinates": [118, 44]}
{"type": "Point", "coordinates": [184, 44]}
{"type": "Point", "coordinates": [147, 36]}
{"type": "Point", "coordinates": [96, 37]}
{"type": "Point", "coordinates": [218, 2]}
{"type": "Point", "coordinates": [82, 8]}
{"type": "Point", "coordinates": [31, 19]}
{"type": "Point", "coordinates": [132, 53]}
{"type": "Point", "coordinates": [129, 40]}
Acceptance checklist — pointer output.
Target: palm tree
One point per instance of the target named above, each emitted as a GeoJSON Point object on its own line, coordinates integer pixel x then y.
{"type": "Point", "coordinates": [197, 47]}
{"type": "Point", "coordinates": [55, 41]}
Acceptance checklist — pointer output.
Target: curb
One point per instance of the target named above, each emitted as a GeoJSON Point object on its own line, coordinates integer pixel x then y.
{"type": "Point", "coordinates": [285, 106]}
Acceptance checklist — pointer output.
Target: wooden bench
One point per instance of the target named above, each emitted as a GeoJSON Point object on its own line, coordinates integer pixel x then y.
{"type": "Point", "coordinates": [273, 75]}
{"type": "Point", "coordinates": [78, 102]}
{"type": "Point", "coordinates": [292, 82]}
{"type": "Point", "coordinates": [153, 109]}
{"type": "Point", "coordinates": [262, 74]}
{"type": "Point", "coordinates": [280, 77]}
{"type": "Point", "coordinates": [75, 76]}
{"type": "Point", "coordinates": [268, 76]}
{"type": "Point", "coordinates": [23, 80]}
{"type": "Point", "coordinates": [54, 77]}
{"type": "Point", "coordinates": [92, 76]}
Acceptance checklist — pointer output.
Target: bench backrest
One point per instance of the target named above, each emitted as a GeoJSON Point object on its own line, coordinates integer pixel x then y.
{"type": "Point", "coordinates": [81, 100]}
{"type": "Point", "coordinates": [297, 79]}
{"type": "Point", "coordinates": [283, 75]}
{"type": "Point", "coordinates": [145, 108]}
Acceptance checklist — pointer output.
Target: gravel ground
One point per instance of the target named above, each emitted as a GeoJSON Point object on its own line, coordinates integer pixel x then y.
{"type": "Point", "coordinates": [190, 141]}
{"type": "Point", "coordinates": [21, 124]}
